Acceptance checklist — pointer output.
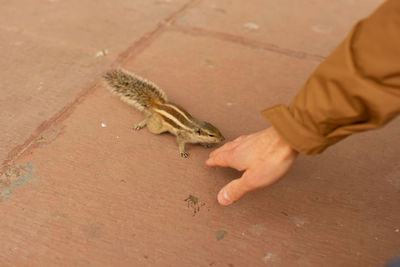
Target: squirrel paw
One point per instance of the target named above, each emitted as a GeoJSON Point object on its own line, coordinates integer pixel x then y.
{"type": "Point", "coordinates": [184, 155]}
{"type": "Point", "coordinates": [207, 145]}
{"type": "Point", "coordinates": [137, 127]}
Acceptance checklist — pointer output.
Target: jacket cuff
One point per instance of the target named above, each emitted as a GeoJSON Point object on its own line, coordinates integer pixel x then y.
{"type": "Point", "coordinates": [299, 138]}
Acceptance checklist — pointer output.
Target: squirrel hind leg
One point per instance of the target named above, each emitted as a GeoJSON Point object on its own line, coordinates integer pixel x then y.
{"type": "Point", "coordinates": [155, 124]}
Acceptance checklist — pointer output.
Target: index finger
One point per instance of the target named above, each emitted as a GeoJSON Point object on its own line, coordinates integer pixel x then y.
{"type": "Point", "coordinates": [225, 147]}
{"type": "Point", "coordinates": [221, 159]}
{"type": "Point", "coordinates": [228, 146]}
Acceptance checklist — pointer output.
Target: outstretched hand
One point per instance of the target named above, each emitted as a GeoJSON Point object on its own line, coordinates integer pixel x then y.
{"type": "Point", "coordinates": [263, 156]}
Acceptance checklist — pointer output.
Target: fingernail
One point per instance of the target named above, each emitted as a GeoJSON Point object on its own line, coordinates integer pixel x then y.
{"type": "Point", "coordinates": [225, 199]}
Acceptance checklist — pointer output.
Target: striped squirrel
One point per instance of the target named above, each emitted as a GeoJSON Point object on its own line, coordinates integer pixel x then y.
{"type": "Point", "coordinates": [161, 115]}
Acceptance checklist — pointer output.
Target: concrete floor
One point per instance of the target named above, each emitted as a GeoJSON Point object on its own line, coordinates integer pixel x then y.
{"type": "Point", "coordinates": [78, 187]}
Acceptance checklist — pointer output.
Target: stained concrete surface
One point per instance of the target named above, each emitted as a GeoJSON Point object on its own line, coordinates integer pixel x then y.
{"type": "Point", "coordinates": [79, 187]}
{"type": "Point", "coordinates": [51, 51]}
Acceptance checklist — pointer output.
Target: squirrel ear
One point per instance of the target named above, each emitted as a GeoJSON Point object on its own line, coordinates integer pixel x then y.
{"type": "Point", "coordinates": [198, 131]}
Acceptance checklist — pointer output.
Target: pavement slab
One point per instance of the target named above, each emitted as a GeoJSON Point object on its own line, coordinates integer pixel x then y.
{"type": "Point", "coordinates": [53, 51]}
{"type": "Point", "coordinates": [87, 190]}
{"type": "Point", "coordinates": [314, 27]}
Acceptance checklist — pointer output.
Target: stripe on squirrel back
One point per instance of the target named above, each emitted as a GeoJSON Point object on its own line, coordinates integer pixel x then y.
{"type": "Point", "coordinates": [177, 114]}
{"type": "Point", "coordinates": [134, 90]}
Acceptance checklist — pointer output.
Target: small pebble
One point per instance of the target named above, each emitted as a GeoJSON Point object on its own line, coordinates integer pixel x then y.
{"type": "Point", "coordinates": [251, 26]}
{"type": "Point", "coordinates": [102, 53]}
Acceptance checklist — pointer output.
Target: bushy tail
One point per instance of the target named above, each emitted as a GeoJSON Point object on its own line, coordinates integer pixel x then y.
{"type": "Point", "coordinates": [134, 90]}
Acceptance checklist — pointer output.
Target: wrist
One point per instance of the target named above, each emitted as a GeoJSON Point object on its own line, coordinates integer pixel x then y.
{"type": "Point", "coordinates": [281, 144]}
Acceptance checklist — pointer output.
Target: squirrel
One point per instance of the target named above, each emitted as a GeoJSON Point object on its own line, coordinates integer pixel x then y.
{"type": "Point", "coordinates": [161, 115]}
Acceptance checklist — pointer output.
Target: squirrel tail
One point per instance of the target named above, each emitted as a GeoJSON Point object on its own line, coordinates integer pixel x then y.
{"type": "Point", "coordinates": [134, 90]}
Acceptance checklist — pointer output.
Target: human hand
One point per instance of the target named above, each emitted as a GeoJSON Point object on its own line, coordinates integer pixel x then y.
{"type": "Point", "coordinates": [264, 156]}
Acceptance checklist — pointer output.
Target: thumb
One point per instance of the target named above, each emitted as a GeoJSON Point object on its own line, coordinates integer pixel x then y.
{"type": "Point", "coordinates": [234, 191]}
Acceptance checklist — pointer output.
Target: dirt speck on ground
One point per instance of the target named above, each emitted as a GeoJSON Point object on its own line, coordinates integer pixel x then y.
{"type": "Point", "coordinates": [220, 234]}
{"type": "Point", "coordinates": [194, 203]}
{"type": "Point", "coordinates": [15, 177]}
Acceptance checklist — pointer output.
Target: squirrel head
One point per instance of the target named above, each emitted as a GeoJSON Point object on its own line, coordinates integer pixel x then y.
{"type": "Point", "coordinates": [208, 133]}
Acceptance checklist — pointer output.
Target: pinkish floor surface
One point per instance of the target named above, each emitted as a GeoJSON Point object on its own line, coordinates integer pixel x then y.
{"type": "Point", "coordinates": [78, 187]}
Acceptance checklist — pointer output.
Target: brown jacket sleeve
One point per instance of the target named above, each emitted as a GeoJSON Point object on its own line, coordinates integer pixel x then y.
{"type": "Point", "coordinates": [356, 88]}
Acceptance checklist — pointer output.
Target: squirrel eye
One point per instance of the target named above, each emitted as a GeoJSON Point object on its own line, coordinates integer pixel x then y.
{"type": "Point", "coordinates": [211, 135]}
